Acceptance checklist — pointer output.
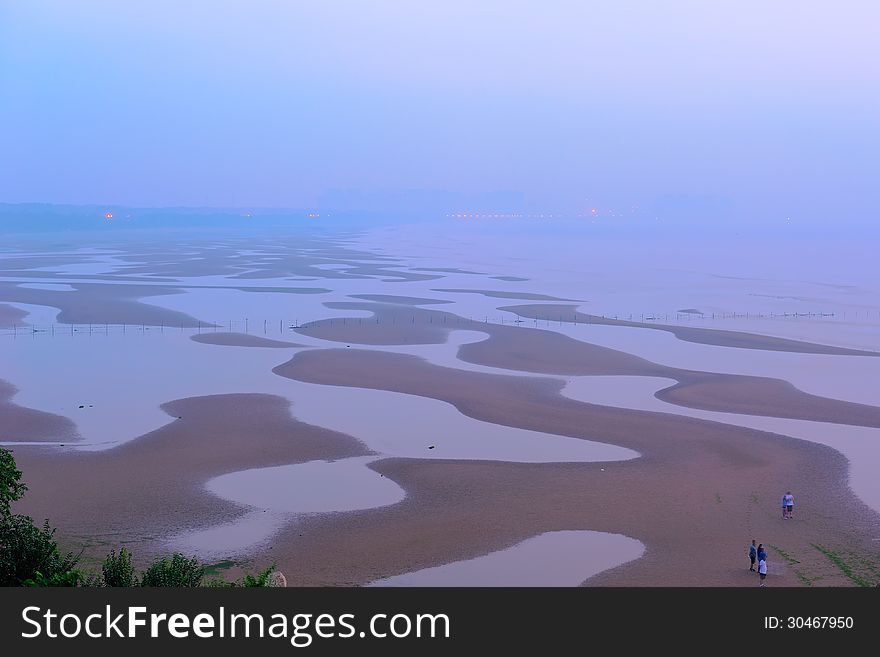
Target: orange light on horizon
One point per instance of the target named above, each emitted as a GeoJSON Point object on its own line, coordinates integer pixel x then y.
{"type": "Point", "coordinates": [109, 215]}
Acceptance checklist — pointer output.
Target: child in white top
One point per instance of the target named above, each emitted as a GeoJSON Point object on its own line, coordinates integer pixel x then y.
{"type": "Point", "coordinates": [787, 505]}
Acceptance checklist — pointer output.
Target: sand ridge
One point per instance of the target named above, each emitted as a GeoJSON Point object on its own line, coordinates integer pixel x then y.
{"type": "Point", "coordinates": [496, 294]}
{"type": "Point", "coordinates": [699, 492]}
{"type": "Point", "coordinates": [716, 337]}
{"type": "Point", "coordinates": [721, 478]}
{"type": "Point", "coordinates": [539, 351]}
{"type": "Point", "coordinates": [145, 490]}
{"type": "Point", "coordinates": [18, 423]}
{"type": "Point", "coordinates": [227, 339]}
{"type": "Point", "coordinates": [11, 316]}
{"type": "Point", "coordinates": [103, 304]}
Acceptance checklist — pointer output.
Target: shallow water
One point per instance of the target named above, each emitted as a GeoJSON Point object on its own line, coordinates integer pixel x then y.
{"type": "Point", "coordinates": [311, 487]}
{"type": "Point", "coordinates": [60, 287]}
{"type": "Point", "coordinates": [237, 537]}
{"type": "Point", "coordinates": [860, 445]}
{"type": "Point", "coordinates": [661, 274]}
{"type": "Point", "coordinates": [121, 376]}
{"type": "Point", "coordinates": [119, 406]}
{"type": "Point", "coordinates": [560, 558]}
{"type": "Point", "coordinates": [396, 424]}
{"type": "Point", "coordinates": [277, 496]}
{"type": "Point", "coordinates": [850, 378]}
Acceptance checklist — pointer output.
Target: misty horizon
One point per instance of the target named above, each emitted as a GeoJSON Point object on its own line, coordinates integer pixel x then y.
{"type": "Point", "coordinates": [750, 115]}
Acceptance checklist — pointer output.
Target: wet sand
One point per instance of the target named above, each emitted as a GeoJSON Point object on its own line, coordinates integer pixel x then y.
{"type": "Point", "coordinates": [690, 476]}
{"type": "Point", "coordinates": [52, 275]}
{"type": "Point", "coordinates": [281, 290]}
{"type": "Point", "coordinates": [752, 395]}
{"type": "Point", "coordinates": [19, 424]}
{"type": "Point", "coordinates": [152, 487]}
{"type": "Point", "coordinates": [24, 262]}
{"type": "Point", "coordinates": [242, 340]}
{"type": "Point", "coordinates": [540, 351]}
{"type": "Point", "coordinates": [11, 316]}
{"type": "Point", "coordinates": [495, 294]}
{"type": "Point", "coordinates": [396, 325]}
{"type": "Point", "coordinates": [448, 270]}
{"type": "Point", "coordinates": [103, 304]}
{"type": "Point", "coordinates": [860, 445]}
{"type": "Point", "coordinates": [563, 558]}
{"type": "Point", "coordinates": [718, 337]}
{"type": "Point", "coordinates": [722, 479]}
{"type": "Point", "coordinates": [546, 352]}
{"type": "Point", "coordinates": [698, 493]}
{"type": "Point", "coordinates": [391, 298]}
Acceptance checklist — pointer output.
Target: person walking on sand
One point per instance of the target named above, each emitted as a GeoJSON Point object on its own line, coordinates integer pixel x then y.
{"type": "Point", "coordinates": [762, 553]}
{"type": "Point", "coordinates": [787, 505]}
{"type": "Point", "coordinates": [753, 555]}
{"type": "Point", "coordinates": [762, 571]}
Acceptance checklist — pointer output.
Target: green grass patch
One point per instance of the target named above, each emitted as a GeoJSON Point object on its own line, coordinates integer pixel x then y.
{"type": "Point", "coordinates": [785, 555]}
{"type": "Point", "coordinates": [805, 580]}
{"type": "Point", "coordinates": [872, 567]}
{"type": "Point", "coordinates": [843, 566]}
{"type": "Point", "coordinates": [213, 569]}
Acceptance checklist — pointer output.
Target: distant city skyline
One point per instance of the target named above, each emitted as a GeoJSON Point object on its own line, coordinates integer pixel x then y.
{"type": "Point", "coordinates": [748, 112]}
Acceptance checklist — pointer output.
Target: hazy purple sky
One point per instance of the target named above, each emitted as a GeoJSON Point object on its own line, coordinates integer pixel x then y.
{"type": "Point", "coordinates": [771, 108]}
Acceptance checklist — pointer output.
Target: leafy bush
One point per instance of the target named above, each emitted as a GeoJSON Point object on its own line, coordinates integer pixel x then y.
{"type": "Point", "coordinates": [29, 555]}
{"type": "Point", "coordinates": [28, 552]}
{"type": "Point", "coordinates": [67, 578]}
{"type": "Point", "coordinates": [117, 569]}
{"type": "Point", "coordinates": [260, 579]}
{"type": "Point", "coordinates": [175, 571]}
{"type": "Point", "coordinates": [11, 488]}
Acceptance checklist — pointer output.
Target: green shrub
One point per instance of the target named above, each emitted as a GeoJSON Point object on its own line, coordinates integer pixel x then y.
{"type": "Point", "coordinates": [175, 571]}
{"type": "Point", "coordinates": [29, 555]}
{"type": "Point", "coordinates": [260, 579]}
{"type": "Point", "coordinates": [11, 488]}
{"type": "Point", "coordinates": [117, 569]}
{"type": "Point", "coordinates": [28, 552]}
{"type": "Point", "coordinates": [67, 578]}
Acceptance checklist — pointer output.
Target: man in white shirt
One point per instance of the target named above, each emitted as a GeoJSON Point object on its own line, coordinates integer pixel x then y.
{"type": "Point", "coordinates": [762, 571]}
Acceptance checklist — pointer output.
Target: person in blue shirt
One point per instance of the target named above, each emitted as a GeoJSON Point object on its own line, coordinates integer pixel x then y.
{"type": "Point", "coordinates": [762, 553]}
{"type": "Point", "coordinates": [753, 555]}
